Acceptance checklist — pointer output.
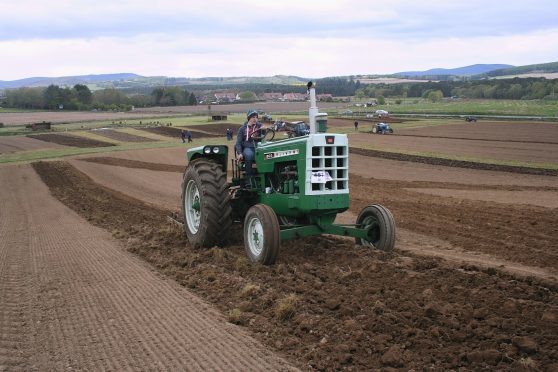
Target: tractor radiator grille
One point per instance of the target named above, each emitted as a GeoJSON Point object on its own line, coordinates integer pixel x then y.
{"type": "Point", "coordinates": [333, 160]}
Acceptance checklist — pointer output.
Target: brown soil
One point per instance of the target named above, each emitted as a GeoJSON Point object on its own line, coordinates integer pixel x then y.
{"type": "Point", "coordinates": [498, 131]}
{"type": "Point", "coordinates": [121, 136]}
{"type": "Point", "coordinates": [127, 163]}
{"type": "Point", "coordinates": [219, 129]}
{"type": "Point", "coordinates": [452, 163]}
{"type": "Point", "coordinates": [10, 144]}
{"type": "Point", "coordinates": [472, 284]}
{"type": "Point", "coordinates": [175, 132]}
{"type": "Point", "coordinates": [540, 145]}
{"type": "Point", "coordinates": [73, 299]}
{"type": "Point", "coordinates": [70, 140]}
{"type": "Point", "coordinates": [404, 193]}
{"type": "Point", "coordinates": [156, 188]}
{"type": "Point", "coordinates": [358, 309]}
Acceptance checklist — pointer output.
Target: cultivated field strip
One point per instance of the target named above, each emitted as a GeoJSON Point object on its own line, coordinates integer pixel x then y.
{"type": "Point", "coordinates": [502, 230]}
{"type": "Point", "coordinates": [94, 306]}
{"type": "Point", "coordinates": [519, 233]}
{"type": "Point", "coordinates": [155, 187]}
{"type": "Point", "coordinates": [122, 136]}
{"type": "Point", "coordinates": [16, 283]}
{"type": "Point", "coordinates": [11, 144]}
{"type": "Point", "coordinates": [480, 139]}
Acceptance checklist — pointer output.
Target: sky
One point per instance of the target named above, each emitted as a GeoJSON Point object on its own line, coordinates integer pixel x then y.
{"type": "Point", "coordinates": [305, 38]}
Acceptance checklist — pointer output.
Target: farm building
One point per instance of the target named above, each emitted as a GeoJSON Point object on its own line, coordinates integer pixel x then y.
{"type": "Point", "coordinates": [39, 126]}
{"type": "Point", "coordinates": [226, 97]}
{"type": "Point", "coordinates": [273, 96]}
{"type": "Point", "coordinates": [294, 97]}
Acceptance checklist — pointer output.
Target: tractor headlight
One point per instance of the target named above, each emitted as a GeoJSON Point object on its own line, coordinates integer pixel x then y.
{"type": "Point", "coordinates": [207, 150]}
{"type": "Point", "coordinates": [215, 150]}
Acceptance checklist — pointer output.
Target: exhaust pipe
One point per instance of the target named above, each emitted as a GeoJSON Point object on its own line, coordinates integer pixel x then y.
{"type": "Point", "coordinates": [317, 120]}
{"type": "Point", "coordinates": [313, 111]}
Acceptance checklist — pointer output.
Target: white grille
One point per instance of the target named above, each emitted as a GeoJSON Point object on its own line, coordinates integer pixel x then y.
{"type": "Point", "coordinates": [330, 158]}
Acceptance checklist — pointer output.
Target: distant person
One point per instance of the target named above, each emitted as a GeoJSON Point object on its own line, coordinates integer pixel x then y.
{"type": "Point", "coordinates": [229, 134]}
{"type": "Point", "coordinates": [183, 135]}
{"type": "Point", "coordinates": [189, 135]}
{"type": "Point", "coordinates": [356, 125]}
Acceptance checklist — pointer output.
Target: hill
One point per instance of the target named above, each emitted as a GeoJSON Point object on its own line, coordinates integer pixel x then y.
{"type": "Point", "coordinates": [551, 67]}
{"type": "Point", "coordinates": [66, 80]}
{"type": "Point", "coordinates": [459, 71]}
{"type": "Point", "coordinates": [134, 82]}
{"type": "Point", "coordinates": [130, 80]}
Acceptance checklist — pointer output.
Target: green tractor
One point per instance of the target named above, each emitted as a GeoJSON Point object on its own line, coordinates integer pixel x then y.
{"type": "Point", "coordinates": [299, 186]}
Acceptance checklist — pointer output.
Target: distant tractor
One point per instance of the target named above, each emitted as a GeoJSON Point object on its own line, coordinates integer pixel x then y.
{"type": "Point", "coordinates": [382, 128]}
{"type": "Point", "coordinates": [266, 118]}
{"type": "Point", "coordinates": [299, 186]}
{"type": "Point", "coordinates": [297, 129]}
{"type": "Point", "coordinates": [470, 119]}
{"type": "Point", "coordinates": [382, 113]}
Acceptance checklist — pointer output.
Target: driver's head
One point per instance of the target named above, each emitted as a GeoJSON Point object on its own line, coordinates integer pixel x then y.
{"type": "Point", "coordinates": [251, 114]}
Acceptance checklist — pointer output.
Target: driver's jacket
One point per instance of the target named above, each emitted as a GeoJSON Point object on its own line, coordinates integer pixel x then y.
{"type": "Point", "coordinates": [242, 140]}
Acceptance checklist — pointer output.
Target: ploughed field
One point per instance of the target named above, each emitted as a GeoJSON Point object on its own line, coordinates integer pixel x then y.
{"type": "Point", "coordinates": [472, 283]}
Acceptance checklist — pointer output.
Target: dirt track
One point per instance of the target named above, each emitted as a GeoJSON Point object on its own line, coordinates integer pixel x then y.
{"type": "Point", "coordinates": [473, 283]}
{"type": "Point", "coordinates": [73, 299]}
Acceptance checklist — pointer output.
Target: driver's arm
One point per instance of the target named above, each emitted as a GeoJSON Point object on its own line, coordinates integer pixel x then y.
{"type": "Point", "coordinates": [238, 145]}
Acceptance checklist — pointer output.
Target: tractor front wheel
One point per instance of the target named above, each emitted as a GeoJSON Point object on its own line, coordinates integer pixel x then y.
{"type": "Point", "coordinates": [205, 203]}
{"type": "Point", "coordinates": [262, 234]}
{"type": "Point", "coordinates": [379, 223]}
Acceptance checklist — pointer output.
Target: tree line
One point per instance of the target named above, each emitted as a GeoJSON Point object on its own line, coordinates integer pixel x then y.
{"type": "Point", "coordinates": [80, 97]}
{"type": "Point", "coordinates": [334, 86]}
{"type": "Point", "coordinates": [516, 88]}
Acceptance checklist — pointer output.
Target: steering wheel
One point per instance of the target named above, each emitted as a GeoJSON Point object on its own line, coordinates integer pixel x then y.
{"type": "Point", "coordinates": [262, 134]}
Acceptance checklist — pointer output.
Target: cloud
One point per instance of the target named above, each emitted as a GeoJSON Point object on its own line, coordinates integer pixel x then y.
{"type": "Point", "coordinates": [262, 38]}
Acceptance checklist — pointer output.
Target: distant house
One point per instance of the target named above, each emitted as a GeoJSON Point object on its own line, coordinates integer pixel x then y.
{"type": "Point", "coordinates": [324, 97]}
{"type": "Point", "coordinates": [294, 97]}
{"type": "Point", "coordinates": [225, 97]}
{"type": "Point", "coordinates": [273, 96]}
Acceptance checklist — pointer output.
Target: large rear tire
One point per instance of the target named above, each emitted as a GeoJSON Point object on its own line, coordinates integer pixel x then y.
{"type": "Point", "coordinates": [380, 224]}
{"type": "Point", "coordinates": [262, 234]}
{"type": "Point", "coordinates": [205, 203]}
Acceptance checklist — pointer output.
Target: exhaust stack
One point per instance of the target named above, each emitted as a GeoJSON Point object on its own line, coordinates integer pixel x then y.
{"type": "Point", "coordinates": [317, 120]}
{"type": "Point", "coordinates": [313, 111]}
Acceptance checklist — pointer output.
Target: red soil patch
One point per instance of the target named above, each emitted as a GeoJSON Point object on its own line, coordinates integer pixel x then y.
{"type": "Point", "coordinates": [10, 144]}
{"type": "Point", "coordinates": [135, 164]}
{"type": "Point", "coordinates": [176, 132]}
{"type": "Point", "coordinates": [70, 140]}
{"type": "Point", "coordinates": [121, 136]}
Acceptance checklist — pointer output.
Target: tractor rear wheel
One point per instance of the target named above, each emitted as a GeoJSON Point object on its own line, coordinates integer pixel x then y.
{"type": "Point", "coordinates": [262, 234]}
{"type": "Point", "coordinates": [380, 224]}
{"type": "Point", "coordinates": [205, 203]}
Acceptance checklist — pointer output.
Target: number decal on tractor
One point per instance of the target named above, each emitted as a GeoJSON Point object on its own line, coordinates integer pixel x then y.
{"type": "Point", "coordinates": [280, 154]}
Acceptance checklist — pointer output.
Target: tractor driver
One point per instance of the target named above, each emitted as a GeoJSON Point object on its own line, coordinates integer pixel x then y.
{"type": "Point", "coordinates": [245, 143]}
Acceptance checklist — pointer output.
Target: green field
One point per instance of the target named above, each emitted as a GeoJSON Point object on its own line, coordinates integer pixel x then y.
{"type": "Point", "coordinates": [538, 108]}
